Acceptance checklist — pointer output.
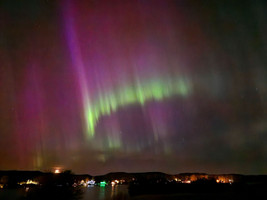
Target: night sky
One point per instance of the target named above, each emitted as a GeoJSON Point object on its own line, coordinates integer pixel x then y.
{"type": "Point", "coordinates": [133, 85]}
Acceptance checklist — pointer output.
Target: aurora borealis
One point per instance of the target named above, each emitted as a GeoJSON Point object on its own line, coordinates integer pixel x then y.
{"type": "Point", "coordinates": [144, 85]}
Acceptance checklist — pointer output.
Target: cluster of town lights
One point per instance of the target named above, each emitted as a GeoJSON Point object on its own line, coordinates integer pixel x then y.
{"type": "Point", "coordinates": [220, 179]}
{"type": "Point", "coordinates": [115, 182]}
{"type": "Point", "coordinates": [89, 183]}
{"type": "Point", "coordinates": [29, 182]}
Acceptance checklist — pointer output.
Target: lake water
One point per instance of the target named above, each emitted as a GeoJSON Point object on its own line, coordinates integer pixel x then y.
{"type": "Point", "coordinates": [104, 193]}
{"type": "Point", "coordinates": [120, 192]}
{"type": "Point", "coordinates": [90, 193]}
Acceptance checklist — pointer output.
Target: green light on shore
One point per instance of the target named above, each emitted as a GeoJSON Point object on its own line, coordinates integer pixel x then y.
{"type": "Point", "coordinates": [102, 183]}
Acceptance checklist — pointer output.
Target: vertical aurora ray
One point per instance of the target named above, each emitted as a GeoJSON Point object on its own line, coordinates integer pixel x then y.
{"type": "Point", "coordinates": [31, 118]}
{"type": "Point", "coordinates": [76, 56]}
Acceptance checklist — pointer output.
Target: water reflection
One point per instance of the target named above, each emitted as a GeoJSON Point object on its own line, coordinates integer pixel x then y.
{"type": "Point", "coordinates": [104, 193]}
{"type": "Point", "coordinates": [89, 193]}
{"type": "Point", "coordinates": [113, 190]}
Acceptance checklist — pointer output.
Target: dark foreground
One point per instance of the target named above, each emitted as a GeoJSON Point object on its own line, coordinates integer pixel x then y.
{"type": "Point", "coordinates": [204, 190]}
{"type": "Point", "coordinates": [206, 196]}
{"type": "Point", "coordinates": [97, 193]}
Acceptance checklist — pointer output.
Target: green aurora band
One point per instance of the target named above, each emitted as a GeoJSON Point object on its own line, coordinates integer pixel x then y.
{"type": "Point", "coordinates": [139, 93]}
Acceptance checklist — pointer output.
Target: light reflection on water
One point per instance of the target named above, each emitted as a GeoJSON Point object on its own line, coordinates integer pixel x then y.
{"type": "Point", "coordinates": [90, 193]}
{"type": "Point", "coordinates": [104, 193]}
